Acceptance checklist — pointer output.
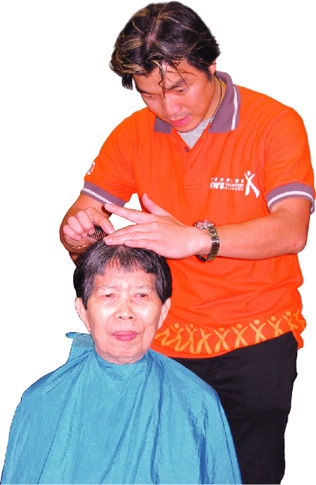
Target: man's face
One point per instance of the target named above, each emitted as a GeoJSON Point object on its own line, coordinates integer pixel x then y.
{"type": "Point", "coordinates": [123, 314]}
{"type": "Point", "coordinates": [183, 100]}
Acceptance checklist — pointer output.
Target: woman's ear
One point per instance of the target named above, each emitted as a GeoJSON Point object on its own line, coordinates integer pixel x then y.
{"type": "Point", "coordinates": [82, 312]}
{"type": "Point", "coordinates": [164, 312]}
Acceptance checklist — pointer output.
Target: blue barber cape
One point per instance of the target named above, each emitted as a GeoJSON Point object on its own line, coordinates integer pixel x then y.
{"type": "Point", "coordinates": [91, 421]}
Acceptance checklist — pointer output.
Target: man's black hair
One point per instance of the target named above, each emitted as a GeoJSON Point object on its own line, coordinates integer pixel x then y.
{"type": "Point", "coordinates": [163, 34]}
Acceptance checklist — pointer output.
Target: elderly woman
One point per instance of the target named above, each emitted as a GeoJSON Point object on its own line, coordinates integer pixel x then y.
{"type": "Point", "coordinates": [117, 412]}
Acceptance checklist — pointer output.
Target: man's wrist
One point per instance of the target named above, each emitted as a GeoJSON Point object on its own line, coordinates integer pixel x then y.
{"type": "Point", "coordinates": [210, 228]}
{"type": "Point", "coordinates": [94, 236]}
{"type": "Point", "coordinates": [78, 248]}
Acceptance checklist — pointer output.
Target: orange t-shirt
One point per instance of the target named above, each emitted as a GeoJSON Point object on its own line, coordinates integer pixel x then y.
{"type": "Point", "coordinates": [254, 154]}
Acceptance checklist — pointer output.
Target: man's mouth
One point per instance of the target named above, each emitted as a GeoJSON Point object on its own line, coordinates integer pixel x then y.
{"type": "Point", "coordinates": [181, 122]}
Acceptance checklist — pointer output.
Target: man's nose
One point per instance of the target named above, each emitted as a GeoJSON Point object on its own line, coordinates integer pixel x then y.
{"type": "Point", "coordinates": [170, 107]}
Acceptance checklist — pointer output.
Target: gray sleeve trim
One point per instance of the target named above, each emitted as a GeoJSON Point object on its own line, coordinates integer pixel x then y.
{"type": "Point", "coordinates": [101, 195]}
{"type": "Point", "coordinates": [289, 191]}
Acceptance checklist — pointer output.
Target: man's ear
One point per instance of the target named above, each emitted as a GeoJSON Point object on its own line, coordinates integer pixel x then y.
{"type": "Point", "coordinates": [82, 312]}
{"type": "Point", "coordinates": [212, 68]}
{"type": "Point", "coordinates": [164, 312]}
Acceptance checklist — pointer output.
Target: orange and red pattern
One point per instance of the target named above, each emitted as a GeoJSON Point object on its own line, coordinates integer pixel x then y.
{"type": "Point", "coordinates": [190, 341]}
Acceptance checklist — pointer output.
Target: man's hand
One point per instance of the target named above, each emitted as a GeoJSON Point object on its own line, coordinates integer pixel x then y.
{"type": "Point", "coordinates": [158, 231]}
{"type": "Point", "coordinates": [283, 231]}
{"type": "Point", "coordinates": [79, 223]}
{"type": "Point", "coordinates": [79, 226]}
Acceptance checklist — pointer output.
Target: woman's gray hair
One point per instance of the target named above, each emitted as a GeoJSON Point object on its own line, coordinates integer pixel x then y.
{"type": "Point", "coordinates": [99, 256]}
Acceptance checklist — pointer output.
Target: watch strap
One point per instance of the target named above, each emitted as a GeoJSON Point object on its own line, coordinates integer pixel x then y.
{"type": "Point", "coordinates": [211, 228]}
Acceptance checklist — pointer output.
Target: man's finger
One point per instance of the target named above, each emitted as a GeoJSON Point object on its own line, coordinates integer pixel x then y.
{"type": "Point", "coordinates": [100, 220]}
{"type": "Point", "coordinates": [68, 232]}
{"type": "Point", "coordinates": [129, 232]}
{"type": "Point", "coordinates": [152, 207]}
{"type": "Point", "coordinates": [131, 215]}
{"type": "Point", "coordinates": [85, 221]}
{"type": "Point", "coordinates": [75, 225]}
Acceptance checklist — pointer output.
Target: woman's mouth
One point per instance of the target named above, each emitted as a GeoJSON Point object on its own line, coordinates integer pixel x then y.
{"type": "Point", "coordinates": [125, 335]}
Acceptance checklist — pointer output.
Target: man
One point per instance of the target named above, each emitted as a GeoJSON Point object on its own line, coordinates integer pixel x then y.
{"type": "Point", "coordinates": [117, 412]}
{"type": "Point", "coordinates": [226, 186]}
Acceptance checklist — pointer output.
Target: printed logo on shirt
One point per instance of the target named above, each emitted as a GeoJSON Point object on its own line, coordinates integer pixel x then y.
{"type": "Point", "coordinates": [91, 169]}
{"type": "Point", "coordinates": [245, 184]}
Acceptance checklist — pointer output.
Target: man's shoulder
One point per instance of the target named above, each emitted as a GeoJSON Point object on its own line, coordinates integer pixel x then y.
{"type": "Point", "coordinates": [262, 101]}
{"type": "Point", "coordinates": [263, 112]}
{"type": "Point", "coordinates": [141, 119]}
{"type": "Point", "coordinates": [133, 133]}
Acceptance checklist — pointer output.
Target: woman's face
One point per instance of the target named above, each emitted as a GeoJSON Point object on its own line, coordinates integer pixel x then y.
{"type": "Point", "coordinates": [123, 314]}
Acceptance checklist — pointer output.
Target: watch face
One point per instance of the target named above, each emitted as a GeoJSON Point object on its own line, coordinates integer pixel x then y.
{"type": "Point", "coordinates": [204, 224]}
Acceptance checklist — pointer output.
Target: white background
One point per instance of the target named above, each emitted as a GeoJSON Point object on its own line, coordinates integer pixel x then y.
{"type": "Point", "coordinates": [59, 101]}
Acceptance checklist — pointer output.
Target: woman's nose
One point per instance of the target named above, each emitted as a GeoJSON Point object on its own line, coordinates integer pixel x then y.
{"type": "Point", "coordinates": [125, 310]}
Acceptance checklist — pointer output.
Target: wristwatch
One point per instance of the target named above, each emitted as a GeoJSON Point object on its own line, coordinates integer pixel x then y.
{"type": "Point", "coordinates": [210, 227]}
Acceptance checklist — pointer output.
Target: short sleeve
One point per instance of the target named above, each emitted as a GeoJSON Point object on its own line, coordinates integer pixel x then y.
{"type": "Point", "coordinates": [288, 168]}
{"type": "Point", "coordinates": [110, 177]}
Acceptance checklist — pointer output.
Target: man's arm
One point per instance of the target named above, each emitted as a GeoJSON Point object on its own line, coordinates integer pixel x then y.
{"type": "Point", "coordinates": [283, 231]}
{"type": "Point", "coordinates": [79, 222]}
